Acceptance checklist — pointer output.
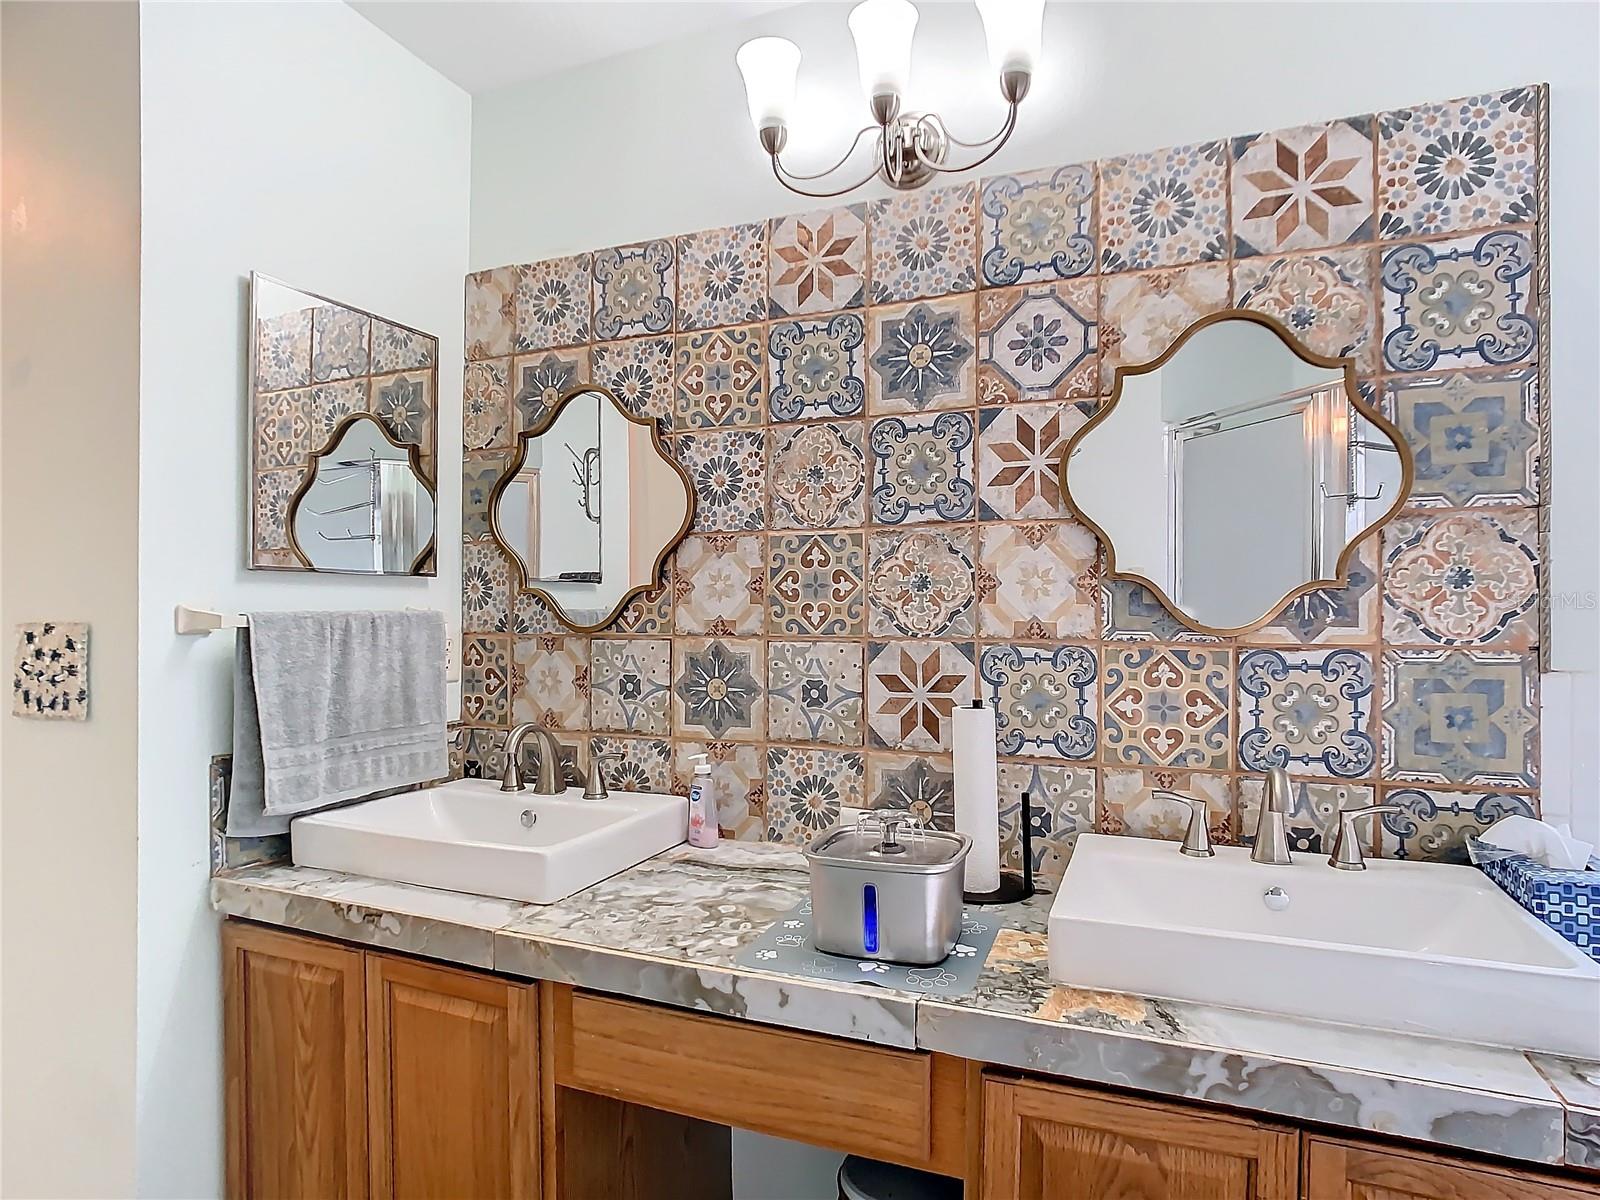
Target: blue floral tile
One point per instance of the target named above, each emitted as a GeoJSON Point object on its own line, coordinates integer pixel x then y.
{"type": "Point", "coordinates": [630, 685]}
{"type": "Point", "coordinates": [1435, 826]}
{"type": "Point", "coordinates": [1167, 707]}
{"type": "Point", "coordinates": [922, 356]}
{"type": "Point", "coordinates": [1474, 438]}
{"type": "Point", "coordinates": [807, 790]}
{"type": "Point", "coordinates": [729, 471]}
{"type": "Point", "coordinates": [485, 586]}
{"type": "Point", "coordinates": [1465, 302]}
{"type": "Point", "coordinates": [816, 368]}
{"type": "Point", "coordinates": [406, 406]}
{"type": "Point", "coordinates": [1038, 227]}
{"type": "Point", "coordinates": [718, 689]}
{"type": "Point", "coordinates": [644, 765]}
{"type": "Point", "coordinates": [1045, 699]}
{"type": "Point", "coordinates": [639, 373]}
{"type": "Point", "coordinates": [1309, 711]}
{"type": "Point", "coordinates": [539, 380]}
{"type": "Point", "coordinates": [1061, 801]}
{"type": "Point", "coordinates": [1344, 614]}
{"type": "Point", "coordinates": [1038, 343]}
{"type": "Point", "coordinates": [283, 351]}
{"type": "Point", "coordinates": [396, 348]}
{"type": "Point", "coordinates": [814, 692]}
{"type": "Point", "coordinates": [722, 276]}
{"type": "Point", "coordinates": [553, 299]}
{"type": "Point", "coordinates": [1468, 717]}
{"type": "Point", "coordinates": [816, 585]}
{"type": "Point", "coordinates": [922, 468]}
{"type": "Point", "coordinates": [1164, 208]}
{"type": "Point", "coordinates": [634, 290]}
{"type": "Point", "coordinates": [924, 243]}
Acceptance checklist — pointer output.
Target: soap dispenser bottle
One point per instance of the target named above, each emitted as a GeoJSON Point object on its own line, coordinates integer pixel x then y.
{"type": "Point", "coordinates": [703, 831]}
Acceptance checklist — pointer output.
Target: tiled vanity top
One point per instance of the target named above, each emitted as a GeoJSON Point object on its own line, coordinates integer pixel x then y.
{"type": "Point", "coordinates": [669, 931]}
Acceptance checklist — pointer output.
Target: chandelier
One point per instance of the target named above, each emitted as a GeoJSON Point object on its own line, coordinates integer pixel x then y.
{"type": "Point", "coordinates": [909, 148]}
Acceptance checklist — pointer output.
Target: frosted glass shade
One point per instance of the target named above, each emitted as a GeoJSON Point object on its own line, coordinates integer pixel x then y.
{"type": "Point", "coordinates": [1014, 31]}
{"type": "Point", "coordinates": [883, 30]}
{"type": "Point", "coordinates": [769, 66]}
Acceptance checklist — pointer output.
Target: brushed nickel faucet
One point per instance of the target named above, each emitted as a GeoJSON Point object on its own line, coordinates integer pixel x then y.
{"type": "Point", "coordinates": [1347, 854]}
{"type": "Point", "coordinates": [1272, 832]}
{"type": "Point", "coordinates": [1197, 837]}
{"type": "Point", "coordinates": [551, 780]}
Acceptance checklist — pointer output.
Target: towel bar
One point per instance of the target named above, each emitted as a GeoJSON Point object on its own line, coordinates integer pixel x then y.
{"type": "Point", "coordinates": [202, 620]}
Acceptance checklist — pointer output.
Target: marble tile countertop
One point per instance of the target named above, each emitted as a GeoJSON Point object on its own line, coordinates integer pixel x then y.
{"type": "Point", "coordinates": [669, 930]}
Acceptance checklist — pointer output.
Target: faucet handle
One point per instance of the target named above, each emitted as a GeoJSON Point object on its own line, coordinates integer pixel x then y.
{"type": "Point", "coordinates": [596, 788]}
{"type": "Point", "coordinates": [1197, 838]}
{"type": "Point", "coordinates": [1347, 854]}
{"type": "Point", "coordinates": [1279, 795]}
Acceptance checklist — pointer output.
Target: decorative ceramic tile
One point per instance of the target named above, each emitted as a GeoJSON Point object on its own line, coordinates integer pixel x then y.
{"type": "Point", "coordinates": [817, 368]}
{"type": "Point", "coordinates": [485, 586]}
{"type": "Point", "coordinates": [736, 787]}
{"type": "Point", "coordinates": [283, 351]}
{"type": "Point", "coordinates": [816, 584]}
{"type": "Point", "coordinates": [818, 261]}
{"type": "Point", "coordinates": [721, 378]}
{"type": "Point", "coordinates": [1045, 699]}
{"type": "Point", "coordinates": [1129, 612]}
{"type": "Point", "coordinates": [650, 612]}
{"type": "Point", "coordinates": [526, 614]}
{"type": "Point", "coordinates": [1325, 300]}
{"type": "Point", "coordinates": [639, 374]}
{"type": "Point", "coordinates": [1304, 188]}
{"type": "Point", "coordinates": [283, 430]}
{"type": "Point", "coordinates": [722, 276]}
{"type": "Point", "coordinates": [273, 492]}
{"type": "Point", "coordinates": [553, 299]}
{"type": "Point", "coordinates": [396, 348]}
{"type": "Point", "coordinates": [718, 690]}
{"type": "Point", "coordinates": [486, 405]}
{"type": "Point", "coordinates": [807, 789]}
{"type": "Point", "coordinates": [50, 671]}
{"type": "Point", "coordinates": [340, 343]}
{"type": "Point", "coordinates": [1062, 800]}
{"type": "Point", "coordinates": [1019, 452]}
{"type": "Point", "coordinates": [1464, 164]}
{"type": "Point", "coordinates": [1038, 343]}
{"type": "Point", "coordinates": [719, 584]}
{"type": "Point", "coordinates": [1475, 438]}
{"type": "Point", "coordinates": [551, 684]}
{"type": "Point", "coordinates": [1340, 615]}
{"type": "Point", "coordinates": [814, 692]}
{"type": "Point", "coordinates": [479, 474]}
{"type": "Point", "coordinates": [572, 756]}
{"type": "Point", "coordinates": [1307, 710]}
{"type": "Point", "coordinates": [1167, 707]}
{"type": "Point", "coordinates": [1313, 817]}
{"type": "Point", "coordinates": [539, 380]}
{"type": "Point", "coordinates": [645, 765]}
{"type": "Point", "coordinates": [912, 690]}
{"type": "Point", "coordinates": [1462, 579]}
{"type": "Point", "coordinates": [1131, 807]}
{"type": "Point", "coordinates": [331, 403]}
{"type": "Point", "coordinates": [924, 243]}
{"type": "Point", "coordinates": [920, 583]}
{"type": "Point", "coordinates": [922, 468]}
{"type": "Point", "coordinates": [818, 476]}
{"type": "Point", "coordinates": [729, 471]}
{"type": "Point", "coordinates": [630, 682]}
{"type": "Point", "coordinates": [1464, 302]}
{"type": "Point", "coordinates": [492, 313]}
{"type": "Point", "coordinates": [1037, 581]}
{"type": "Point", "coordinates": [923, 785]}
{"type": "Point", "coordinates": [405, 404]}
{"type": "Point", "coordinates": [634, 288]}
{"type": "Point", "coordinates": [1038, 227]}
{"type": "Point", "coordinates": [1435, 825]}
{"type": "Point", "coordinates": [1468, 717]}
{"type": "Point", "coordinates": [1141, 315]}
{"type": "Point", "coordinates": [921, 356]}
{"type": "Point", "coordinates": [483, 753]}
{"type": "Point", "coordinates": [486, 679]}
{"type": "Point", "coordinates": [1164, 208]}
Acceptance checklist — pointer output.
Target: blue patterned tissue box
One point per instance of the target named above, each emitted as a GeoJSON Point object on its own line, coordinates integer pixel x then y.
{"type": "Point", "coordinates": [1567, 901]}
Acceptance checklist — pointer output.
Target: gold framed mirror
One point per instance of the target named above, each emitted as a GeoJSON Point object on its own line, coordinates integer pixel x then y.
{"type": "Point", "coordinates": [1235, 472]}
{"type": "Point", "coordinates": [589, 507]}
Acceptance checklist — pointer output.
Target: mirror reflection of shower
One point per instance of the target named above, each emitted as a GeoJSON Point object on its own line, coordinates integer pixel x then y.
{"type": "Point", "coordinates": [586, 474]}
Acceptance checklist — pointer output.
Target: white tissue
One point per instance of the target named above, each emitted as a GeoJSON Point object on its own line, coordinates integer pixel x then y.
{"type": "Point", "coordinates": [1552, 845]}
{"type": "Point", "coordinates": [977, 787]}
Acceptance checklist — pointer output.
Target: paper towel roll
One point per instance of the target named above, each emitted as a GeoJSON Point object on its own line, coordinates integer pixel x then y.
{"type": "Point", "coordinates": [977, 793]}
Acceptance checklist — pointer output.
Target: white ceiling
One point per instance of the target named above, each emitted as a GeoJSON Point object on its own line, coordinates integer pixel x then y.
{"type": "Point", "coordinates": [488, 44]}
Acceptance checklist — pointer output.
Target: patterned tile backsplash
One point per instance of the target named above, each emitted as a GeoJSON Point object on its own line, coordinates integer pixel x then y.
{"type": "Point", "coordinates": [872, 400]}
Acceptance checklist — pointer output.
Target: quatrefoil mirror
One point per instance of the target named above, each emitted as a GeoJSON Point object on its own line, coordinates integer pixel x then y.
{"type": "Point", "coordinates": [1235, 473]}
{"type": "Point", "coordinates": [589, 507]}
{"type": "Point", "coordinates": [365, 506]}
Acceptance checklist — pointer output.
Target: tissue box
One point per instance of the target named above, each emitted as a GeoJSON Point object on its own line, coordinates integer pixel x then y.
{"type": "Point", "coordinates": [1567, 901]}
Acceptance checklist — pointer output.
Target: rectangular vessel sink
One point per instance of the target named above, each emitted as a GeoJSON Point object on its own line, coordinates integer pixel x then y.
{"type": "Point", "coordinates": [1423, 948]}
{"type": "Point", "coordinates": [469, 836]}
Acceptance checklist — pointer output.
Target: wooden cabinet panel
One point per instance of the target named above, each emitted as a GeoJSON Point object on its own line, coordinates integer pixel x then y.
{"type": "Point", "coordinates": [294, 1033]}
{"type": "Point", "coordinates": [453, 1071]}
{"type": "Point", "coordinates": [1338, 1170]}
{"type": "Point", "coordinates": [1043, 1141]}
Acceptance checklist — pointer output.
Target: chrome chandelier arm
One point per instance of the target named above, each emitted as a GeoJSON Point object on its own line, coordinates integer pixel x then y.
{"type": "Point", "coordinates": [783, 177]}
{"type": "Point", "coordinates": [848, 155]}
{"type": "Point", "coordinates": [1005, 129]}
{"type": "Point", "coordinates": [999, 140]}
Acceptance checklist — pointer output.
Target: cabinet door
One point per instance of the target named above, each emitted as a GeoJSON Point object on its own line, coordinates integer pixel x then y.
{"type": "Point", "coordinates": [1338, 1170]}
{"type": "Point", "coordinates": [295, 1067]}
{"type": "Point", "coordinates": [452, 1066]}
{"type": "Point", "coordinates": [1046, 1142]}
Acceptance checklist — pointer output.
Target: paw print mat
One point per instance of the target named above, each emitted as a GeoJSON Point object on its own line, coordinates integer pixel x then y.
{"type": "Point", "coordinates": [786, 948]}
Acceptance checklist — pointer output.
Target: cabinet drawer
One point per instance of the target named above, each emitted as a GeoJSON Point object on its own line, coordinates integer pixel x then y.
{"type": "Point", "coordinates": [1338, 1170]}
{"type": "Point", "coordinates": [843, 1095]}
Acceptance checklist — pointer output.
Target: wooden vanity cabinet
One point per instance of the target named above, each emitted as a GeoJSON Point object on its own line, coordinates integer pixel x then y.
{"type": "Point", "coordinates": [1340, 1170]}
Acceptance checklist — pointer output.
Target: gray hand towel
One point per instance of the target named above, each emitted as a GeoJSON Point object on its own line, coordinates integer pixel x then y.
{"type": "Point", "coordinates": [332, 706]}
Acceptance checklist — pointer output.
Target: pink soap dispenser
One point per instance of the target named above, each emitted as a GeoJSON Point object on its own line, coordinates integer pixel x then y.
{"type": "Point", "coordinates": [703, 831]}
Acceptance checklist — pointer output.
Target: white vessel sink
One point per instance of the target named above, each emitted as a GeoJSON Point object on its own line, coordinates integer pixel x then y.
{"type": "Point", "coordinates": [1422, 948]}
{"type": "Point", "coordinates": [469, 836]}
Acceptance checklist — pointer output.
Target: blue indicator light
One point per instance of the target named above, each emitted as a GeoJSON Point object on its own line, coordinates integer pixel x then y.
{"type": "Point", "coordinates": [869, 919]}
